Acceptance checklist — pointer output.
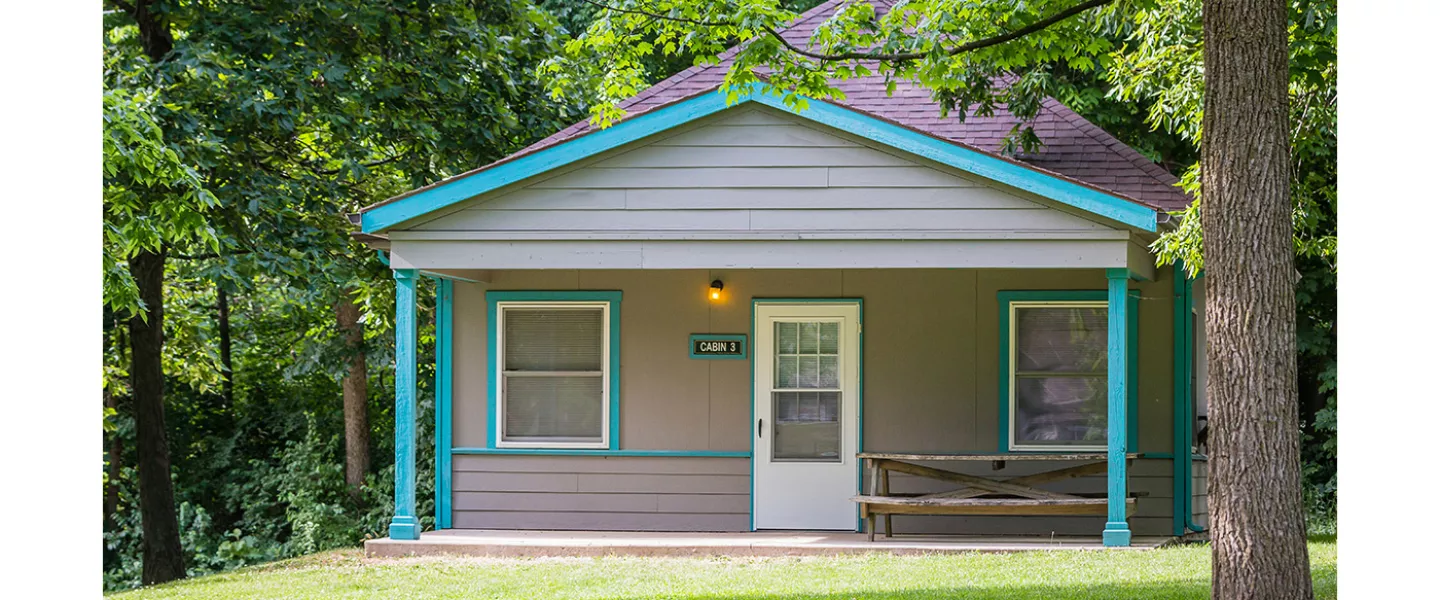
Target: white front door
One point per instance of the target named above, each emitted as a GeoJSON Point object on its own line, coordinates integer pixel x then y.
{"type": "Point", "coordinates": [807, 385]}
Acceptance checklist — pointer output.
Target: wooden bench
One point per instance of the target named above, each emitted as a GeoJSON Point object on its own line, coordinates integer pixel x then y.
{"type": "Point", "coordinates": [981, 495]}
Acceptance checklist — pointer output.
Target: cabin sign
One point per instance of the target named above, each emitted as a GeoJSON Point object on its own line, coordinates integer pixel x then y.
{"type": "Point", "coordinates": [717, 346]}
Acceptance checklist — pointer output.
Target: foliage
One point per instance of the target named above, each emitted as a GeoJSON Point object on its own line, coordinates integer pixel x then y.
{"type": "Point", "coordinates": [237, 154]}
{"type": "Point", "coordinates": [922, 41]}
{"type": "Point", "coordinates": [263, 479]}
{"type": "Point", "coordinates": [153, 196]}
{"type": "Point", "coordinates": [1161, 64]}
{"type": "Point", "coordinates": [1164, 574]}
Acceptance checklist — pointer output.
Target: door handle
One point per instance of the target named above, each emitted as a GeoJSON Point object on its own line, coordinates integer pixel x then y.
{"type": "Point", "coordinates": [760, 428]}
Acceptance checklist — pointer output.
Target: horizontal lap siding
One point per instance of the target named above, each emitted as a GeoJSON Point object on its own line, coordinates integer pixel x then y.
{"type": "Point", "coordinates": [602, 493]}
{"type": "Point", "coordinates": [931, 385]}
{"type": "Point", "coordinates": [755, 170]}
{"type": "Point", "coordinates": [1200, 506]}
{"type": "Point", "coordinates": [1150, 477]}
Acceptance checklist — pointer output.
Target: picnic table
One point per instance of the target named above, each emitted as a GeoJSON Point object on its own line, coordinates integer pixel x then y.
{"type": "Point", "coordinates": [981, 495]}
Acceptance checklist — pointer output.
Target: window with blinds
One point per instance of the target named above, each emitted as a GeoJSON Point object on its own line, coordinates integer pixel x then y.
{"type": "Point", "coordinates": [1059, 374]}
{"type": "Point", "coordinates": [553, 374]}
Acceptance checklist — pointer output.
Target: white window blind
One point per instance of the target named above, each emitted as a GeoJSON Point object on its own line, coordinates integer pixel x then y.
{"type": "Point", "coordinates": [1060, 377]}
{"type": "Point", "coordinates": [553, 380]}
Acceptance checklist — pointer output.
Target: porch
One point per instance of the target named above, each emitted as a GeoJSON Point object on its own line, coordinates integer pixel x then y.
{"type": "Point", "coordinates": [703, 329]}
{"type": "Point", "coordinates": [474, 542]}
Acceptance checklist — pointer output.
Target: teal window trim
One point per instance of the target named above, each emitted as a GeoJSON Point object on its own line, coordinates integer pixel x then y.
{"type": "Point", "coordinates": [859, 393]}
{"type": "Point", "coordinates": [492, 300]}
{"type": "Point", "coordinates": [1009, 172]}
{"type": "Point", "coordinates": [600, 452]}
{"type": "Point", "coordinates": [720, 337]}
{"type": "Point", "coordinates": [1132, 362]}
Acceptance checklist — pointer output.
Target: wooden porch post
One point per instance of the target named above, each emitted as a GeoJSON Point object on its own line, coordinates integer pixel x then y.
{"type": "Point", "coordinates": [1117, 529]}
{"type": "Point", "coordinates": [404, 525]}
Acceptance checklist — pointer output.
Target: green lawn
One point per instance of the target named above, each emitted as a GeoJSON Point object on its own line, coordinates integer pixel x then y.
{"type": "Point", "coordinates": [1179, 572]}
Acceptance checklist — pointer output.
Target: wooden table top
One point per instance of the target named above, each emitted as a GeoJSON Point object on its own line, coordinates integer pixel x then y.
{"type": "Point", "coordinates": [993, 456]}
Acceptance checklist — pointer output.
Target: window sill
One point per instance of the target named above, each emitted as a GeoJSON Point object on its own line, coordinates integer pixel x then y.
{"type": "Point", "coordinates": [602, 452]}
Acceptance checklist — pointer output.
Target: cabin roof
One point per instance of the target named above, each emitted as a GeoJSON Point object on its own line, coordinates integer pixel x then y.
{"type": "Point", "coordinates": [1073, 146]}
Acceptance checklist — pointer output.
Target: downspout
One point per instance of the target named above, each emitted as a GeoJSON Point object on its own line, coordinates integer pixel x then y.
{"type": "Point", "coordinates": [1184, 459]}
{"type": "Point", "coordinates": [1189, 406]}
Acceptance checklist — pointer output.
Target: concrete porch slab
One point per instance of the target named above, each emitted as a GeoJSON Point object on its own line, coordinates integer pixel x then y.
{"type": "Point", "coordinates": [472, 542]}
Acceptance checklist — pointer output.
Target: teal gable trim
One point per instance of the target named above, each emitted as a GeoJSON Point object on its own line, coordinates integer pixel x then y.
{"type": "Point", "coordinates": [985, 165]}
{"type": "Point", "coordinates": [720, 337]}
{"type": "Point", "coordinates": [450, 192]}
{"type": "Point", "coordinates": [584, 452]}
{"type": "Point", "coordinates": [1132, 355]}
{"type": "Point", "coordinates": [493, 298]}
{"type": "Point", "coordinates": [444, 340]}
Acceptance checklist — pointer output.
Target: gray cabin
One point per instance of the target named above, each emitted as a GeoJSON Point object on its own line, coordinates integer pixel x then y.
{"type": "Point", "coordinates": [733, 317]}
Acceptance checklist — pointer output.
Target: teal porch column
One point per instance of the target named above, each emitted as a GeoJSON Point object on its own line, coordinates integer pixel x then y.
{"type": "Point", "coordinates": [1117, 528]}
{"type": "Point", "coordinates": [404, 525]}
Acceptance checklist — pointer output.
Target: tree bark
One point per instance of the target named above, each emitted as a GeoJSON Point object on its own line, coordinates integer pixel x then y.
{"type": "Point", "coordinates": [1256, 513]}
{"type": "Point", "coordinates": [112, 486]}
{"type": "Point", "coordinates": [354, 391]}
{"type": "Point", "coordinates": [163, 557]}
{"type": "Point", "coordinates": [227, 385]}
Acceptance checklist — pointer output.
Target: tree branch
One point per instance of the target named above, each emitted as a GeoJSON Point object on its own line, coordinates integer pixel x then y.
{"type": "Point", "coordinates": [205, 256]}
{"type": "Point", "coordinates": [879, 56]}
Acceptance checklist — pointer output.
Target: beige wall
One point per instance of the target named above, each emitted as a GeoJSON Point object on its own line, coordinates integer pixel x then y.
{"type": "Point", "coordinates": [931, 361]}
{"type": "Point", "coordinates": [931, 348]}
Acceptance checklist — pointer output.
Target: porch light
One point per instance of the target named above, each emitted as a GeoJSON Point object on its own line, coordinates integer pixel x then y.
{"type": "Point", "coordinates": [715, 287]}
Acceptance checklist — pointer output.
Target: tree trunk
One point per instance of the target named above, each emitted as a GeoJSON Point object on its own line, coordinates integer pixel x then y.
{"type": "Point", "coordinates": [163, 558]}
{"type": "Point", "coordinates": [227, 385]}
{"type": "Point", "coordinates": [1256, 514]}
{"type": "Point", "coordinates": [355, 392]}
{"type": "Point", "coordinates": [112, 486]}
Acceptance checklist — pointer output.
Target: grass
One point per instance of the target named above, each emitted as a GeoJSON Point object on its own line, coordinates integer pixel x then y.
{"type": "Point", "coordinates": [1176, 572]}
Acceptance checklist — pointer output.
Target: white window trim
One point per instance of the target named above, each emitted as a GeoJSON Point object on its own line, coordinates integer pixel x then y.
{"type": "Point", "coordinates": [499, 358]}
{"type": "Point", "coordinates": [1014, 363]}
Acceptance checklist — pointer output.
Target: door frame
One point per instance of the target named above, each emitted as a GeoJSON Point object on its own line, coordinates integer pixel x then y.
{"type": "Point", "coordinates": [859, 392]}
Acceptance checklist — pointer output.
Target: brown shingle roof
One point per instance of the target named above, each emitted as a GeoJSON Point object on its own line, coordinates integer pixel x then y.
{"type": "Point", "coordinates": [1073, 146]}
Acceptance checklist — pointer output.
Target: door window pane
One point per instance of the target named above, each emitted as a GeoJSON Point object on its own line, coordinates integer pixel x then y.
{"type": "Point", "coordinates": [807, 426]}
{"type": "Point", "coordinates": [806, 396]}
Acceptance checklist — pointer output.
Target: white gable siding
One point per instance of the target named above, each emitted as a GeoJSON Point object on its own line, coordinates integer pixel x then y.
{"type": "Point", "coordinates": [757, 187]}
{"type": "Point", "coordinates": [757, 170]}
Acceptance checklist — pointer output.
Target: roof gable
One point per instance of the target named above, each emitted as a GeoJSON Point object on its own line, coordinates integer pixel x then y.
{"type": "Point", "coordinates": [1073, 147]}
{"type": "Point", "coordinates": [990, 166]}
